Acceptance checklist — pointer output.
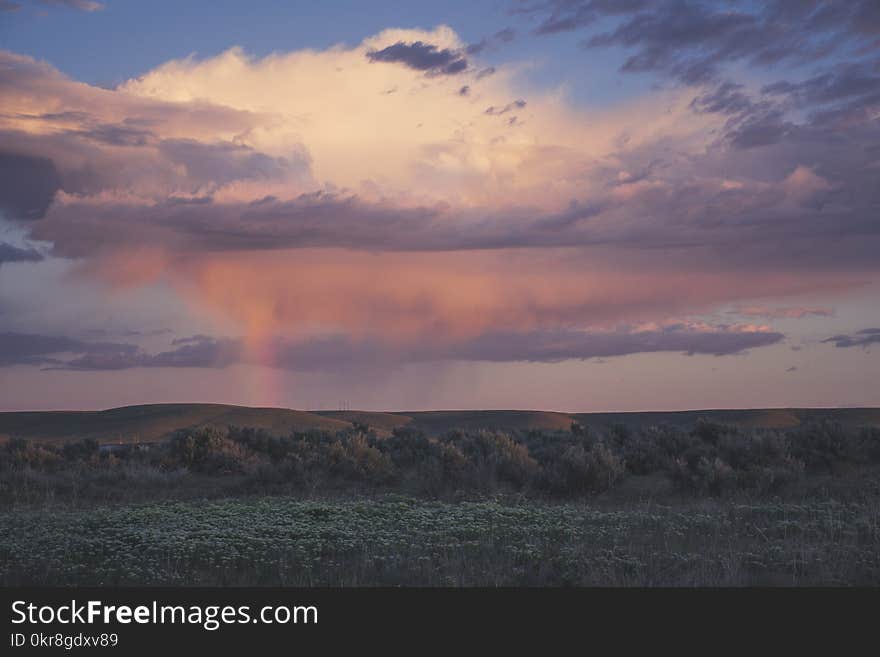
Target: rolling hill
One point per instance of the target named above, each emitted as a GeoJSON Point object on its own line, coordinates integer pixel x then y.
{"type": "Point", "coordinates": [152, 422]}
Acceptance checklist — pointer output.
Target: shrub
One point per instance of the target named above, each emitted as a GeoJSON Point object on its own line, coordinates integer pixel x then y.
{"type": "Point", "coordinates": [355, 459]}
{"type": "Point", "coordinates": [580, 471]}
{"type": "Point", "coordinates": [19, 453]}
{"type": "Point", "coordinates": [495, 456]}
{"type": "Point", "coordinates": [703, 476]}
{"type": "Point", "coordinates": [81, 450]}
{"type": "Point", "coordinates": [207, 450]}
{"type": "Point", "coordinates": [819, 444]}
{"type": "Point", "coordinates": [711, 432]}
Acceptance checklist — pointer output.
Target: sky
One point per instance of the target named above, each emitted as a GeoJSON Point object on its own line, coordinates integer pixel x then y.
{"type": "Point", "coordinates": [576, 205]}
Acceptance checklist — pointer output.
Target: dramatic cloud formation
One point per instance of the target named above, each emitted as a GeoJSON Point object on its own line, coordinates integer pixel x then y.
{"type": "Point", "coordinates": [400, 201]}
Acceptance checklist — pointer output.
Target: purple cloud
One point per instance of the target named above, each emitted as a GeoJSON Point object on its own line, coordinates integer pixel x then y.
{"type": "Point", "coordinates": [863, 338]}
{"type": "Point", "coordinates": [335, 352]}
{"type": "Point", "coordinates": [421, 56]}
{"type": "Point", "coordinates": [10, 253]}
{"type": "Point", "coordinates": [36, 349]}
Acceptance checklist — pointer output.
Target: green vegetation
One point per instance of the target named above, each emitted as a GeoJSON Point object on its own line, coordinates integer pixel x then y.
{"type": "Point", "coordinates": [713, 504]}
{"type": "Point", "coordinates": [710, 459]}
{"type": "Point", "coordinates": [395, 540]}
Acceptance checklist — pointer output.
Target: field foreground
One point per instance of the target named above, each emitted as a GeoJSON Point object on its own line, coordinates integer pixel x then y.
{"type": "Point", "coordinates": [399, 540]}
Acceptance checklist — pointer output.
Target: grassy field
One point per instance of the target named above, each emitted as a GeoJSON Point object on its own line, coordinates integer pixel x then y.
{"type": "Point", "coordinates": [660, 505]}
{"type": "Point", "coordinates": [395, 540]}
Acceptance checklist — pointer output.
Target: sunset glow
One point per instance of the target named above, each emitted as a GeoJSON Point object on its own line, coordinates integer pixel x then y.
{"type": "Point", "coordinates": [543, 208]}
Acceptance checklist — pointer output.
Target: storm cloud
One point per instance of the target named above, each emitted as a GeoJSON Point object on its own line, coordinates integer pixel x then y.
{"type": "Point", "coordinates": [333, 224]}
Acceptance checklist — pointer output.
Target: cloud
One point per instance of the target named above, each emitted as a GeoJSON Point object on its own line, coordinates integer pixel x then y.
{"type": "Point", "coordinates": [567, 15]}
{"type": "Point", "coordinates": [782, 313]}
{"type": "Point", "coordinates": [421, 57]}
{"type": "Point", "coordinates": [7, 5]}
{"type": "Point", "coordinates": [692, 41]}
{"type": "Point", "coordinates": [863, 338]}
{"type": "Point", "coordinates": [552, 346]}
{"type": "Point", "coordinates": [224, 162]}
{"type": "Point", "coordinates": [10, 253]}
{"type": "Point", "coordinates": [509, 107]}
{"type": "Point", "coordinates": [197, 351]}
{"type": "Point", "coordinates": [36, 349]}
{"type": "Point", "coordinates": [341, 352]}
{"type": "Point", "coordinates": [81, 5]}
{"type": "Point", "coordinates": [402, 296]}
{"type": "Point", "coordinates": [27, 185]}
{"type": "Point", "coordinates": [332, 207]}
{"type": "Point", "coordinates": [492, 42]}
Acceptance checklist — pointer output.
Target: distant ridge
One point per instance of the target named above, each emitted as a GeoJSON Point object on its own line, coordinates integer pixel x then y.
{"type": "Point", "coordinates": [152, 422]}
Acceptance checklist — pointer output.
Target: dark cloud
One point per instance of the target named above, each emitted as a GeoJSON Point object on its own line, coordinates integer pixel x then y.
{"type": "Point", "coordinates": [726, 98]}
{"type": "Point", "coordinates": [117, 134]}
{"type": "Point", "coordinates": [10, 253]}
{"type": "Point", "coordinates": [100, 157]}
{"type": "Point", "coordinates": [489, 43]}
{"type": "Point", "coordinates": [340, 352]}
{"type": "Point", "coordinates": [27, 185]}
{"type": "Point", "coordinates": [837, 99]}
{"type": "Point", "coordinates": [826, 53]}
{"type": "Point", "coordinates": [422, 56]}
{"type": "Point", "coordinates": [761, 225]}
{"type": "Point", "coordinates": [551, 346]}
{"type": "Point", "coordinates": [692, 40]}
{"type": "Point", "coordinates": [687, 40]}
{"type": "Point", "coordinates": [128, 333]}
{"type": "Point", "coordinates": [863, 338]}
{"type": "Point", "coordinates": [6, 5]}
{"type": "Point", "coordinates": [567, 15]}
{"type": "Point", "coordinates": [758, 130]}
{"type": "Point", "coordinates": [196, 351]}
{"type": "Point", "coordinates": [220, 163]}
{"type": "Point", "coordinates": [34, 349]}
{"type": "Point", "coordinates": [510, 107]}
